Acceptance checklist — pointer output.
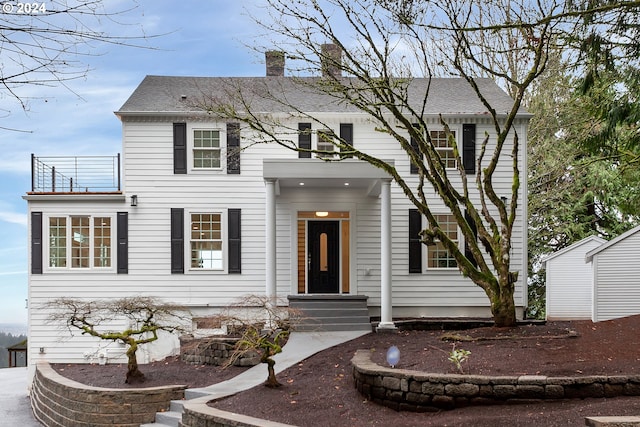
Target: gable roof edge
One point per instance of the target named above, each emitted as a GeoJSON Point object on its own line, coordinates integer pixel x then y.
{"type": "Point", "coordinates": [573, 246]}
{"type": "Point", "coordinates": [610, 243]}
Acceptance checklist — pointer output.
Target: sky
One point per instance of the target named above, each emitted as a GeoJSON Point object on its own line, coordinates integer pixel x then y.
{"type": "Point", "coordinates": [199, 38]}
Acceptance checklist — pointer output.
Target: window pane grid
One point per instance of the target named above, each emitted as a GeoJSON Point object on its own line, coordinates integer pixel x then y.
{"type": "Point", "coordinates": [438, 256]}
{"type": "Point", "coordinates": [325, 142]}
{"type": "Point", "coordinates": [206, 152]}
{"type": "Point", "coordinates": [57, 242]}
{"type": "Point", "coordinates": [206, 241]}
{"type": "Point", "coordinates": [206, 138]}
{"type": "Point", "coordinates": [102, 242]}
{"type": "Point", "coordinates": [443, 148]}
{"type": "Point", "coordinates": [80, 242]}
{"type": "Point", "coordinates": [85, 243]}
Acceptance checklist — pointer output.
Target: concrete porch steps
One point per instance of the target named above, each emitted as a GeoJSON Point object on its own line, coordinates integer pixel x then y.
{"type": "Point", "coordinates": [331, 312]}
{"type": "Point", "coordinates": [170, 418]}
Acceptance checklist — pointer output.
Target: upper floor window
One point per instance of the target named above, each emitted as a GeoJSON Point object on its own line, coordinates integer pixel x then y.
{"type": "Point", "coordinates": [438, 256]}
{"type": "Point", "coordinates": [206, 241]}
{"type": "Point", "coordinates": [444, 147]}
{"type": "Point", "coordinates": [206, 149]}
{"type": "Point", "coordinates": [80, 242]}
{"type": "Point", "coordinates": [325, 143]}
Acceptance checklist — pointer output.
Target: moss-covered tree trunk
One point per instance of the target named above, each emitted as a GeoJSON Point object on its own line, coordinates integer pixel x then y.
{"type": "Point", "coordinates": [271, 380]}
{"type": "Point", "coordinates": [134, 375]}
{"type": "Point", "coordinates": [503, 306]}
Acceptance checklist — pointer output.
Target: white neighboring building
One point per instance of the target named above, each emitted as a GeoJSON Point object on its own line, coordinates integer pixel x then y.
{"type": "Point", "coordinates": [197, 222]}
{"type": "Point", "coordinates": [616, 276]}
{"type": "Point", "coordinates": [569, 281]}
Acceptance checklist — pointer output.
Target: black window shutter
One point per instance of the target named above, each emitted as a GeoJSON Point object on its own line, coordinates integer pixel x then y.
{"type": "Point", "coordinates": [415, 245]}
{"type": "Point", "coordinates": [179, 148]}
{"type": "Point", "coordinates": [234, 241]}
{"type": "Point", "coordinates": [467, 250]}
{"type": "Point", "coordinates": [304, 140]}
{"type": "Point", "coordinates": [36, 242]}
{"type": "Point", "coordinates": [346, 134]}
{"type": "Point", "coordinates": [177, 240]}
{"type": "Point", "coordinates": [413, 168]}
{"type": "Point", "coordinates": [123, 242]}
{"type": "Point", "coordinates": [469, 148]}
{"type": "Point", "coordinates": [233, 148]}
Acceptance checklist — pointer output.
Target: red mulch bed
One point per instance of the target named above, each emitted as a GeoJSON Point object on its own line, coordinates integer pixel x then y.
{"type": "Point", "coordinates": [171, 371]}
{"type": "Point", "coordinates": [319, 391]}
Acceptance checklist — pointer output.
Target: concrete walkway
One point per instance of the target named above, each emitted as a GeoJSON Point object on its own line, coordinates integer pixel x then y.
{"type": "Point", "coordinates": [299, 346]}
{"type": "Point", "coordinates": [15, 406]}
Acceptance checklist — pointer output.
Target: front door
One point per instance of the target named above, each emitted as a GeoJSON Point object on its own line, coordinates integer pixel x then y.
{"type": "Point", "coordinates": [324, 257]}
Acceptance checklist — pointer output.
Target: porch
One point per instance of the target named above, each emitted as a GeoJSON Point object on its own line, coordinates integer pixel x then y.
{"type": "Point", "coordinates": [322, 250]}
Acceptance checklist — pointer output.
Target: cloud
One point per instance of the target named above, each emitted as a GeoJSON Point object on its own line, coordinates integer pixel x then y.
{"type": "Point", "coordinates": [12, 273]}
{"type": "Point", "coordinates": [13, 218]}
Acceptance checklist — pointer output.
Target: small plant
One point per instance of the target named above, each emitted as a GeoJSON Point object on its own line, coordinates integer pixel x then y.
{"type": "Point", "coordinates": [458, 357]}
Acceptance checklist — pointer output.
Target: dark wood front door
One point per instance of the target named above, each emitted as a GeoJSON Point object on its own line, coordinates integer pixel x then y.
{"type": "Point", "coordinates": [324, 257]}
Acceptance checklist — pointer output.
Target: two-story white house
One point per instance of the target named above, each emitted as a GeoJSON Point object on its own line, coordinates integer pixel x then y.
{"type": "Point", "coordinates": [199, 215]}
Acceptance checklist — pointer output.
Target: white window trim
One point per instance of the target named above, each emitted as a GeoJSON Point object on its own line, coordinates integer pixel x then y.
{"type": "Point", "coordinates": [69, 239]}
{"type": "Point", "coordinates": [191, 148]}
{"type": "Point", "coordinates": [455, 131]}
{"type": "Point", "coordinates": [425, 252]}
{"type": "Point", "coordinates": [223, 235]}
{"type": "Point", "coordinates": [329, 132]}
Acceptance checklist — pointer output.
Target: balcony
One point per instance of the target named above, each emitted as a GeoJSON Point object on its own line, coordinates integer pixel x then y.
{"type": "Point", "coordinates": [80, 174]}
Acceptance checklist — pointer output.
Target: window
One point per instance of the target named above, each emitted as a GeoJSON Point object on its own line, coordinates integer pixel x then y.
{"type": "Point", "coordinates": [325, 143]}
{"type": "Point", "coordinates": [80, 242]}
{"type": "Point", "coordinates": [206, 149]}
{"type": "Point", "coordinates": [206, 241]}
{"type": "Point", "coordinates": [57, 242]}
{"type": "Point", "coordinates": [443, 147]}
{"type": "Point", "coordinates": [437, 255]}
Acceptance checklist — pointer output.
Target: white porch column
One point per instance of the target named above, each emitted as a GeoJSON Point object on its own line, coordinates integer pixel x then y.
{"type": "Point", "coordinates": [270, 238]}
{"type": "Point", "coordinates": [386, 317]}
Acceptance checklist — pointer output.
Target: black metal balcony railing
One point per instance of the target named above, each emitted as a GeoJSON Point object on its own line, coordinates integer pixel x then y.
{"type": "Point", "coordinates": [80, 174]}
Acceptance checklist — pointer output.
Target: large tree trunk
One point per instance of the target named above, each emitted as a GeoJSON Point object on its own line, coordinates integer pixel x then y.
{"type": "Point", "coordinates": [503, 306]}
{"type": "Point", "coordinates": [133, 373]}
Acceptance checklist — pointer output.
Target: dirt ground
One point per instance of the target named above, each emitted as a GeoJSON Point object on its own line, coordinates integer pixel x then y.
{"type": "Point", "coordinates": [319, 391]}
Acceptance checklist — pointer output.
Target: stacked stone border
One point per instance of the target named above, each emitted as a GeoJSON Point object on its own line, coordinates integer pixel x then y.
{"type": "Point", "coordinates": [60, 402]}
{"type": "Point", "coordinates": [214, 351]}
{"type": "Point", "coordinates": [406, 390]}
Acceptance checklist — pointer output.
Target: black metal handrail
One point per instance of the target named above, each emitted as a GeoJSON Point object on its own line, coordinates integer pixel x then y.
{"type": "Point", "coordinates": [79, 174]}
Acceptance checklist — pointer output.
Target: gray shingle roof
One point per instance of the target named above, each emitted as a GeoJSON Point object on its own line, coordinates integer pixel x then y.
{"type": "Point", "coordinates": [181, 95]}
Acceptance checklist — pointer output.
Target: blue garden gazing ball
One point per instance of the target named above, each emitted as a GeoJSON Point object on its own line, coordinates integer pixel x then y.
{"type": "Point", "coordinates": [393, 356]}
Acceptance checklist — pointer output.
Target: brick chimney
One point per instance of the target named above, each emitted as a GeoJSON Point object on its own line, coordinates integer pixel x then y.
{"type": "Point", "coordinates": [331, 60]}
{"type": "Point", "coordinates": [275, 63]}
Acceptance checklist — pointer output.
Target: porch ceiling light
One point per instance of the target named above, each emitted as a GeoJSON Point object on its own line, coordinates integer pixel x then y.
{"type": "Point", "coordinates": [322, 214]}
{"type": "Point", "coordinates": [301, 184]}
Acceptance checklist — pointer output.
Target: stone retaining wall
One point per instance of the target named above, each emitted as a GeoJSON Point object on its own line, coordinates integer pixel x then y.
{"type": "Point", "coordinates": [405, 390]}
{"type": "Point", "coordinates": [60, 402]}
{"type": "Point", "coordinates": [214, 351]}
{"type": "Point", "coordinates": [198, 414]}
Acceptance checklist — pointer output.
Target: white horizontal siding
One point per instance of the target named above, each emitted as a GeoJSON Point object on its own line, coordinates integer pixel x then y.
{"type": "Point", "coordinates": [617, 290]}
{"type": "Point", "coordinates": [148, 173]}
{"type": "Point", "coordinates": [569, 284]}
